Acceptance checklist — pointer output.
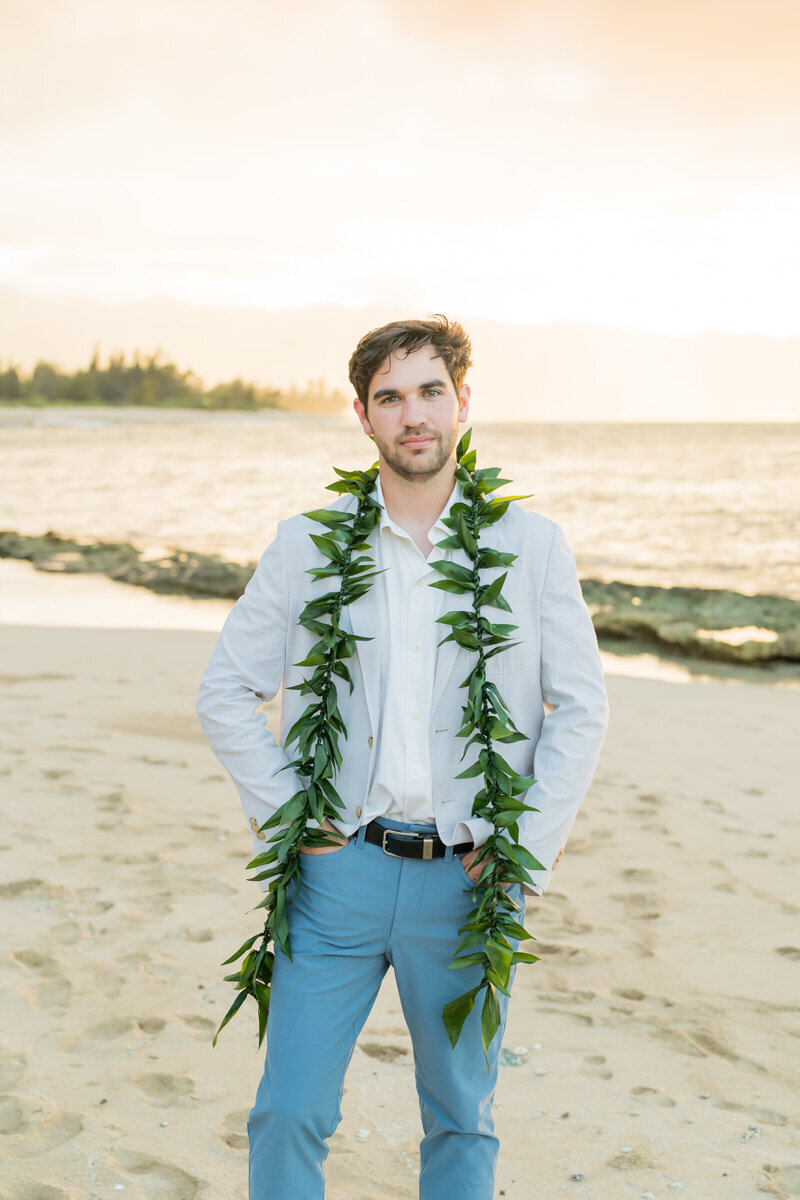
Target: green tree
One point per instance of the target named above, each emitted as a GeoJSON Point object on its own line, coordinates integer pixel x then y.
{"type": "Point", "coordinates": [10, 386]}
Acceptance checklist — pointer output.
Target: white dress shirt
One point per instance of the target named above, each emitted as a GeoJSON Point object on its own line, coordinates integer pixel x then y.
{"type": "Point", "coordinates": [401, 784]}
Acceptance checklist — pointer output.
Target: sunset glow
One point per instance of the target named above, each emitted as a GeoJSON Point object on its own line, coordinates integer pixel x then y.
{"type": "Point", "coordinates": [631, 166]}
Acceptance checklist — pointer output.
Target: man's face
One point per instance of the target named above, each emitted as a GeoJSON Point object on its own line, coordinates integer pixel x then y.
{"type": "Point", "coordinates": [413, 413]}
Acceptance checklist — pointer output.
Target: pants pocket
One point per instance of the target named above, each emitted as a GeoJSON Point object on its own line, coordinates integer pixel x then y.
{"type": "Point", "coordinates": [465, 879]}
{"type": "Point", "coordinates": [315, 861]}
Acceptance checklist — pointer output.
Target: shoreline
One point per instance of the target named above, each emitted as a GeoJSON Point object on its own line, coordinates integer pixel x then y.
{"type": "Point", "coordinates": [42, 599]}
{"type": "Point", "coordinates": [708, 624]}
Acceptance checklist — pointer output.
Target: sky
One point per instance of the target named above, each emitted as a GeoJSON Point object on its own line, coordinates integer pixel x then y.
{"type": "Point", "coordinates": [629, 163]}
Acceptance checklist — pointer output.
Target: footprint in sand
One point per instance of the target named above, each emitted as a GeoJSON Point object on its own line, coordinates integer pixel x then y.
{"type": "Point", "coordinates": [55, 993]}
{"type": "Point", "coordinates": [12, 1117]}
{"type": "Point", "coordinates": [202, 1026]}
{"type": "Point", "coordinates": [764, 1116]}
{"type": "Point", "coordinates": [790, 952]}
{"type": "Point", "coordinates": [574, 954]}
{"type": "Point", "coordinates": [61, 1128]}
{"type": "Point", "coordinates": [595, 1065]}
{"type": "Point", "coordinates": [700, 1043]}
{"type": "Point", "coordinates": [575, 1017]}
{"type": "Point", "coordinates": [12, 1068]}
{"type": "Point", "coordinates": [640, 875]}
{"type": "Point", "coordinates": [780, 1181]}
{"type": "Point", "coordinates": [384, 1053]}
{"type": "Point", "coordinates": [710, 1043]}
{"type": "Point", "coordinates": [104, 1031]}
{"type": "Point", "coordinates": [652, 1096]}
{"type": "Point", "coordinates": [37, 1191]}
{"type": "Point", "coordinates": [19, 887]}
{"type": "Point", "coordinates": [639, 906]}
{"type": "Point", "coordinates": [234, 1130]}
{"type": "Point", "coordinates": [66, 933]}
{"type": "Point", "coordinates": [215, 887]}
{"type": "Point", "coordinates": [37, 960]}
{"type": "Point", "coordinates": [163, 1090]}
{"type": "Point", "coordinates": [136, 958]}
{"type": "Point", "coordinates": [108, 982]}
{"type": "Point", "coordinates": [151, 1025]}
{"type": "Point", "coordinates": [629, 994]}
{"type": "Point", "coordinates": [199, 935]}
{"type": "Point", "coordinates": [161, 1180]}
{"type": "Point", "coordinates": [112, 802]}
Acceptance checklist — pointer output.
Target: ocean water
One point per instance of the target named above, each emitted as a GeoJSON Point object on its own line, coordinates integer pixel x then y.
{"type": "Point", "coordinates": [704, 505]}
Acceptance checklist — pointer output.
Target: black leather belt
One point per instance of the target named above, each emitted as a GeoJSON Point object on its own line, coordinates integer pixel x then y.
{"type": "Point", "coordinates": [401, 843]}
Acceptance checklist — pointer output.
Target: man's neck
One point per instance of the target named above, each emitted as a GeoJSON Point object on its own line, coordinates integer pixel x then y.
{"type": "Point", "coordinates": [414, 505]}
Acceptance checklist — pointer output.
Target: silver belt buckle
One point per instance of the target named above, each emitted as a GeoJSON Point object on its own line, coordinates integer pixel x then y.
{"type": "Point", "coordinates": [427, 843]}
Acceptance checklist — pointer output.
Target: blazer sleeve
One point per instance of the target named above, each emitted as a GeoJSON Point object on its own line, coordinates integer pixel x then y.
{"type": "Point", "coordinates": [572, 734]}
{"type": "Point", "coordinates": [246, 667]}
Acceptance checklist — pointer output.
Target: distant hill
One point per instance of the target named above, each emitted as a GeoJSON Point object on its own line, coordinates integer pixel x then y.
{"type": "Point", "coordinates": [559, 372]}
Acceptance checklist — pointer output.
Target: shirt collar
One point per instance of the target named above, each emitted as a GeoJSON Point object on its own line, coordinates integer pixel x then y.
{"type": "Point", "coordinates": [438, 526]}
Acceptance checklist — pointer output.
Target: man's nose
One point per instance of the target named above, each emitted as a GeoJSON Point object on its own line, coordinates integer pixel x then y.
{"type": "Point", "coordinates": [413, 410]}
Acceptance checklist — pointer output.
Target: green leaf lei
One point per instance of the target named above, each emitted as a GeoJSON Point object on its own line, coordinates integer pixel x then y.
{"type": "Point", "coordinates": [487, 937]}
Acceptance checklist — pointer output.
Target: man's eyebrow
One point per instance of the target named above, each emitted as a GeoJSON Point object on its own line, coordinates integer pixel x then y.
{"type": "Point", "coordinates": [423, 387]}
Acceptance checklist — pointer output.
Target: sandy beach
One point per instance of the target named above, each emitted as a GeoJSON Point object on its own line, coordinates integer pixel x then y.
{"type": "Point", "coordinates": [652, 1052]}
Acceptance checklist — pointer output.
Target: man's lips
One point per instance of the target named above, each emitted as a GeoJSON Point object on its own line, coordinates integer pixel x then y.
{"type": "Point", "coordinates": [421, 440]}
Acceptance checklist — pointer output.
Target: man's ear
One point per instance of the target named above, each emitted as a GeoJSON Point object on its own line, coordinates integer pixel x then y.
{"type": "Point", "coordinates": [361, 413]}
{"type": "Point", "coordinates": [463, 403]}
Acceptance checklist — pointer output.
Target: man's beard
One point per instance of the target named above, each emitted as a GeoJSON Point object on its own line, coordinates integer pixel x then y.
{"type": "Point", "coordinates": [422, 466]}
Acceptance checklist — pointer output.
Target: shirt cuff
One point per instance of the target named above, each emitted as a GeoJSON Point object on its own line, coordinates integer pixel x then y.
{"type": "Point", "coordinates": [475, 830]}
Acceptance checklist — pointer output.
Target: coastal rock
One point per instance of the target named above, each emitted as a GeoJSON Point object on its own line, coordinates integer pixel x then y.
{"type": "Point", "coordinates": [186, 572]}
{"type": "Point", "coordinates": [701, 622]}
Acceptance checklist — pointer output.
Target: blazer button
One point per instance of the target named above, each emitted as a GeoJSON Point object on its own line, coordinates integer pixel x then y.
{"type": "Point", "coordinates": [262, 837]}
{"type": "Point", "coordinates": [369, 741]}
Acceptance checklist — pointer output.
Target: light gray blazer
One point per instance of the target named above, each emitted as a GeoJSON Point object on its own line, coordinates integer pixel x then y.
{"type": "Point", "coordinates": [557, 661]}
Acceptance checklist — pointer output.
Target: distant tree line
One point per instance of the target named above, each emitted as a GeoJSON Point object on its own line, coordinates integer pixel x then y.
{"type": "Point", "coordinates": [152, 382]}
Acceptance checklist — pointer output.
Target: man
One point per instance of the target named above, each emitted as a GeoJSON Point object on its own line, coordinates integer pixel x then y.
{"type": "Point", "coordinates": [397, 881]}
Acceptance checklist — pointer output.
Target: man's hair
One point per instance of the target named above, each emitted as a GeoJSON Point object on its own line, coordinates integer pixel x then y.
{"type": "Point", "coordinates": [448, 338]}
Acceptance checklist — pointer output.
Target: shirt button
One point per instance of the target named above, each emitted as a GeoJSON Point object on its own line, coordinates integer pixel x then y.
{"type": "Point", "coordinates": [415, 716]}
{"type": "Point", "coordinates": [417, 646]}
{"type": "Point", "coordinates": [358, 812]}
{"type": "Point", "coordinates": [369, 742]}
{"type": "Point", "coordinates": [415, 780]}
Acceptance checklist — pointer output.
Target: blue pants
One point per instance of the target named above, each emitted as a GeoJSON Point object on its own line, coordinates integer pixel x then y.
{"type": "Point", "coordinates": [356, 912]}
